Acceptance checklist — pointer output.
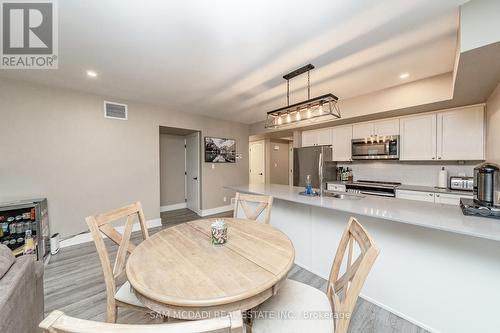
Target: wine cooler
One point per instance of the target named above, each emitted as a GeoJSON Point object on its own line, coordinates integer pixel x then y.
{"type": "Point", "coordinates": [25, 218]}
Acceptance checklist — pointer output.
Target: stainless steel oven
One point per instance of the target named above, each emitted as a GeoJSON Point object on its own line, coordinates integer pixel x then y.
{"type": "Point", "coordinates": [376, 148]}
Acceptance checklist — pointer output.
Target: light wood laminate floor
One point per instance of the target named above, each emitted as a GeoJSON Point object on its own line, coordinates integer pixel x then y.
{"type": "Point", "coordinates": [74, 284]}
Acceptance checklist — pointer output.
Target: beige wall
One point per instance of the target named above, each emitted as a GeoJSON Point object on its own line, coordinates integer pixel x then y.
{"type": "Point", "coordinates": [279, 162]}
{"type": "Point", "coordinates": [493, 127]}
{"type": "Point", "coordinates": [56, 143]}
{"type": "Point", "coordinates": [172, 168]}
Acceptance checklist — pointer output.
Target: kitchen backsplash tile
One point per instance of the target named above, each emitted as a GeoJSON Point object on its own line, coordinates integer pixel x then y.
{"type": "Point", "coordinates": [418, 173]}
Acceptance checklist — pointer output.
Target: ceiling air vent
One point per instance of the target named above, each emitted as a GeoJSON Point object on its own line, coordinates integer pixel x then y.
{"type": "Point", "coordinates": [115, 110]}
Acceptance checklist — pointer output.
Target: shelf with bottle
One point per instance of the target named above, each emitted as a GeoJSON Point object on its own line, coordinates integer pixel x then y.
{"type": "Point", "coordinates": [14, 225]}
{"type": "Point", "coordinates": [345, 174]}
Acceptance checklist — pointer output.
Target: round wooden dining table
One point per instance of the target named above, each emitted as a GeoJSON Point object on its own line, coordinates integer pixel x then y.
{"type": "Point", "coordinates": [178, 273]}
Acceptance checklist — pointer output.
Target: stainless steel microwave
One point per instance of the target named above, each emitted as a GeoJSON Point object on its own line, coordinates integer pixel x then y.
{"type": "Point", "coordinates": [376, 148]}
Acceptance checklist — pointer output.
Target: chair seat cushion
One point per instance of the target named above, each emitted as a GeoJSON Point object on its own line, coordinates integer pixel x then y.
{"type": "Point", "coordinates": [125, 295]}
{"type": "Point", "coordinates": [296, 307]}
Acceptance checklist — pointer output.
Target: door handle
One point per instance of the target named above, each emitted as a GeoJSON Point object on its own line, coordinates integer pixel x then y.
{"type": "Point", "coordinates": [195, 178]}
{"type": "Point", "coordinates": [260, 174]}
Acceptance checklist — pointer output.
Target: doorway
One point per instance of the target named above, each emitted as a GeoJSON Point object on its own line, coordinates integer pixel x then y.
{"type": "Point", "coordinates": [193, 172]}
{"type": "Point", "coordinates": [257, 162]}
{"type": "Point", "coordinates": [180, 165]}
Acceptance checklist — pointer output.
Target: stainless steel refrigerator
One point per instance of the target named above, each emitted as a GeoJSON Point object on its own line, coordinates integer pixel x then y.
{"type": "Point", "coordinates": [315, 161]}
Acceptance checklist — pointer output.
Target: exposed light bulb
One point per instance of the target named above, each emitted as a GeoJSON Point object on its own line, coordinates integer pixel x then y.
{"type": "Point", "coordinates": [288, 118]}
{"type": "Point", "coordinates": [280, 121]}
{"type": "Point", "coordinates": [366, 140]}
{"type": "Point", "coordinates": [297, 116]}
{"type": "Point", "coordinates": [320, 109]}
{"type": "Point", "coordinates": [308, 112]}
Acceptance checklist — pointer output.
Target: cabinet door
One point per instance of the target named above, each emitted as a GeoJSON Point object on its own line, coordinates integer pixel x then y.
{"type": "Point", "coordinates": [460, 134]}
{"type": "Point", "coordinates": [450, 199]}
{"type": "Point", "coordinates": [309, 138]}
{"type": "Point", "coordinates": [386, 127]}
{"type": "Point", "coordinates": [361, 131]}
{"type": "Point", "coordinates": [324, 136]}
{"type": "Point", "coordinates": [418, 138]}
{"type": "Point", "coordinates": [342, 143]}
{"type": "Point", "coordinates": [415, 195]}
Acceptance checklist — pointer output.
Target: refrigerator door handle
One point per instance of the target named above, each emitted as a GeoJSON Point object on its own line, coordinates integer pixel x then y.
{"type": "Point", "coordinates": [320, 172]}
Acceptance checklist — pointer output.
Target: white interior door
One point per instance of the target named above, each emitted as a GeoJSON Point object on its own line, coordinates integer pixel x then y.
{"type": "Point", "coordinates": [257, 163]}
{"type": "Point", "coordinates": [290, 163]}
{"type": "Point", "coordinates": [193, 180]}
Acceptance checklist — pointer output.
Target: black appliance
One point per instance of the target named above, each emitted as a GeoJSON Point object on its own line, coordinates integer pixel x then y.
{"type": "Point", "coordinates": [486, 178]}
{"type": "Point", "coordinates": [376, 148]}
{"type": "Point", "coordinates": [373, 187]}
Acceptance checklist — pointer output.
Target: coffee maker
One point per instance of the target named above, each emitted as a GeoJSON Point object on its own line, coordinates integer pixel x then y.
{"type": "Point", "coordinates": [486, 200]}
{"type": "Point", "coordinates": [486, 179]}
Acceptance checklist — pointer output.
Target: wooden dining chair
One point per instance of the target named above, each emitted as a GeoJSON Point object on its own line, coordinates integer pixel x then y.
{"type": "Point", "coordinates": [101, 224]}
{"type": "Point", "coordinates": [264, 205]}
{"type": "Point", "coordinates": [342, 290]}
{"type": "Point", "coordinates": [58, 322]}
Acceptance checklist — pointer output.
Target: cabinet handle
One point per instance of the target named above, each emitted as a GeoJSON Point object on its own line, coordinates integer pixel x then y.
{"type": "Point", "coordinates": [437, 195]}
{"type": "Point", "coordinates": [430, 194]}
{"type": "Point", "coordinates": [439, 157]}
{"type": "Point", "coordinates": [433, 158]}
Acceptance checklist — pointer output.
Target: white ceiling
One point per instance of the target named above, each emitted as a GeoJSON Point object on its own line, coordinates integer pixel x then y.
{"type": "Point", "coordinates": [226, 58]}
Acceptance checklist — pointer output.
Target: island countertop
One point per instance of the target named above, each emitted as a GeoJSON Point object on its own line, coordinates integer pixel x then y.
{"type": "Point", "coordinates": [429, 215]}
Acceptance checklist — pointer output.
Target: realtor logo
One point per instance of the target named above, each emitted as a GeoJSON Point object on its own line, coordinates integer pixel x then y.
{"type": "Point", "coordinates": [29, 34]}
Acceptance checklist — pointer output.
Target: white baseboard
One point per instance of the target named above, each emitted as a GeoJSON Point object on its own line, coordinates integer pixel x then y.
{"type": "Point", "coordinates": [87, 237]}
{"type": "Point", "coordinates": [168, 208]}
{"type": "Point", "coordinates": [216, 210]}
{"type": "Point", "coordinates": [383, 306]}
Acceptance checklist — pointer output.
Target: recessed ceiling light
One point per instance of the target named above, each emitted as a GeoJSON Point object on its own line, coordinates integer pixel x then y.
{"type": "Point", "coordinates": [404, 76]}
{"type": "Point", "coordinates": [91, 73]}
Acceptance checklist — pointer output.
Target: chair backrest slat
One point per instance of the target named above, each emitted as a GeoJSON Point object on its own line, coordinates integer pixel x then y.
{"type": "Point", "coordinates": [265, 204]}
{"type": "Point", "coordinates": [101, 225]}
{"type": "Point", "coordinates": [58, 322]}
{"type": "Point", "coordinates": [344, 289]}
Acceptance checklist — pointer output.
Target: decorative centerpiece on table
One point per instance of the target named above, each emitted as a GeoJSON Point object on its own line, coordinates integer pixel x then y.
{"type": "Point", "coordinates": [219, 232]}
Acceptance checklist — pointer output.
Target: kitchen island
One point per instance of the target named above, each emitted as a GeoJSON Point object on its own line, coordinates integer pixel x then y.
{"type": "Point", "coordinates": [437, 268]}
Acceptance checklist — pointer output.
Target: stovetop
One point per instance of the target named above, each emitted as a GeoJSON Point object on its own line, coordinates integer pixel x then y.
{"type": "Point", "coordinates": [470, 207]}
{"type": "Point", "coordinates": [375, 183]}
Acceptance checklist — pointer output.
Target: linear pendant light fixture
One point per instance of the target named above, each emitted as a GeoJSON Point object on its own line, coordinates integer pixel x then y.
{"type": "Point", "coordinates": [324, 106]}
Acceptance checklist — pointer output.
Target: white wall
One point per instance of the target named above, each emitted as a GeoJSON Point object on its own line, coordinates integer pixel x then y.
{"type": "Point", "coordinates": [479, 24]}
{"type": "Point", "coordinates": [424, 174]}
{"type": "Point", "coordinates": [493, 127]}
{"type": "Point", "coordinates": [57, 144]}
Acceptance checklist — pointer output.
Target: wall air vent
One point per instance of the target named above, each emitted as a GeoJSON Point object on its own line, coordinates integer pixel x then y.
{"type": "Point", "coordinates": [115, 110]}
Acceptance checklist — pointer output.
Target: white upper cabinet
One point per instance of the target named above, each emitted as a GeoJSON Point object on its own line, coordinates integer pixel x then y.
{"type": "Point", "coordinates": [324, 136]}
{"type": "Point", "coordinates": [308, 138]}
{"type": "Point", "coordinates": [460, 134]}
{"type": "Point", "coordinates": [381, 127]}
{"type": "Point", "coordinates": [362, 130]}
{"type": "Point", "coordinates": [341, 143]}
{"type": "Point", "coordinates": [418, 137]}
{"type": "Point", "coordinates": [386, 127]}
{"type": "Point", "coordinates": [453, 135]}
{"type": "Point", "coordinates": [318, 137]}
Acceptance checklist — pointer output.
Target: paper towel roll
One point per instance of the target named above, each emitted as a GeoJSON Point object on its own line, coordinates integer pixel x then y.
{"type": "Point", "coordinates": [443, 178]}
